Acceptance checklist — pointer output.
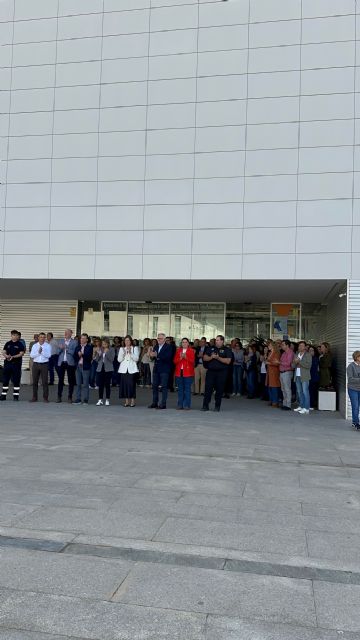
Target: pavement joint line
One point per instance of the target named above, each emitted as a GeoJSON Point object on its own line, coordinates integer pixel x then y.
{"type": "Point", "coordinates": [295, 461]}
{"type": "Point", "coordinates": [335, 576]}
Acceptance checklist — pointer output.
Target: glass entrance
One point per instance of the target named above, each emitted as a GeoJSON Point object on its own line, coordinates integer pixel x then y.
{"type": "Point", "coordinates": [147, 319]}
{"type": "Point", "coordinates": [194, 320]}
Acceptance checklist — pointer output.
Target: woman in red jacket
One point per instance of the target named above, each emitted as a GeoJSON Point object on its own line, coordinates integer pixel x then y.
{"type": "Point", "coordinates": [184, 373]}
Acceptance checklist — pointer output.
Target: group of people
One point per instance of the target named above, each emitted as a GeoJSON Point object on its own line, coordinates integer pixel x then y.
{"type": "Point", "coordinates": [277, 371]}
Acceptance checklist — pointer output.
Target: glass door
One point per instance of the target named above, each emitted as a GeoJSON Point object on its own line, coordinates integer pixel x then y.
{"type": "Point", "coordinates": [147, 319]}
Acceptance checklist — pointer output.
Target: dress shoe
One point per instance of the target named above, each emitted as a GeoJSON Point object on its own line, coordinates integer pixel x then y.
{"type": "Point", "coordinates": [161, 406]}
{"type": "Point", "coordinates": [152, 406]}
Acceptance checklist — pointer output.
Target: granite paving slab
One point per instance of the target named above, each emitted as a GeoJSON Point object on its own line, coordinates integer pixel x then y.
{"type": "Point", "coordinates": [219, 592]}
{"type": "Point", "coordinates": [90, 620]}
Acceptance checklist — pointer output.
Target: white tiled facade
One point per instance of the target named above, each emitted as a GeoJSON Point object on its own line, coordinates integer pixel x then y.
{"type": "Point", "coordinates": [175, 130]}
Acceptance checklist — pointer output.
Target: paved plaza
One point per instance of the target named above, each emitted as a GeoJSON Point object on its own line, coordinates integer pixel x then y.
{"type": "Point", "coordinates": [131, 524]}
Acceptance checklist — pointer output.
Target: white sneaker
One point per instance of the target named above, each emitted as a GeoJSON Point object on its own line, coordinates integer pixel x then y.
{"type": "Point", "coordinates": [99, 403]}
{"type": "Point", "coordinates": [304, 412]}
{"type": "Point", "coordinates": [298, 409]}
{"type": "Point", "coordinates": [233, 395]}
{"type": "Point", "coordinates": [107, 403]}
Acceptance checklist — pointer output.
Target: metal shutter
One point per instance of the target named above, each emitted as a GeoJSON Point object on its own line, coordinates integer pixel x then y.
{"type": "Point", "coordinates": [32, 316]}
{"type": "Point", "coordinates": [336, 332]}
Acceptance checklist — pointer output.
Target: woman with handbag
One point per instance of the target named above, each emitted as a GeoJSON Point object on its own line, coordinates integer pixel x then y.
{"type": "Point", "coordinates": [128, 358]}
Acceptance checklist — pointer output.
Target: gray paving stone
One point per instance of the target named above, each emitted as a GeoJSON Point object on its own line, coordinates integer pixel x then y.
{"type": "Point", "coordinates": [89, 521]}
{"type": "Point", "coordinates": [337, 606]}
{"type": "Point", "coordinates": [192, 484]}
{"type": "Point", "coordinates": [218, 592]}
{"type": "Point", "coordinates": [256, 504]}
{"type": "Point", "coordinates": [61, 574]}
{"type": "Point", "coordinates": [269, 539]}
{"type": "Point", "coordinates": [56, 499]}
{"type": "Point", "coordinates": [238, 629]}
{"type": "Point", "coordinates": [95, 620]}
{"type": "Point", "coordinates": [95, 477]}
{"type": "Point", "coordinates": [335, 546]}
{"type": "Point", "coordinates": [310, 495]}
{"type": "Point", "coordinates": [29, 635]}
{"type": "Point", "coordinates": [10, 512]}
{"type": "Point", "coordinates": [348, 512]}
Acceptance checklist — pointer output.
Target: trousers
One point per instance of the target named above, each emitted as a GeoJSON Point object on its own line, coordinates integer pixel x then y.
{"type": "Point", "coordinates": [200, 377]}
{"type": "Point", "coordinates": [285, 381]}
{"type": "Point", "coordinates": [160, 379]}
{"type": "Point", "coordinates": [215, 379]}
{"type": "Point", "coordinates": [40, 370]}
{"type": "Point", "coordinates": [70, 370]}
{"type": "Point", "coordinates": [12, 373]}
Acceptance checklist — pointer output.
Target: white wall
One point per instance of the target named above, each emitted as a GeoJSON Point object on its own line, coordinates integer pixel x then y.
{"type": "Point", "coordinates": [177, 133]}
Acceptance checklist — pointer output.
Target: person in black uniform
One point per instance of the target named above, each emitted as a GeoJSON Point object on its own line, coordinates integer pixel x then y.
{"type": "Point", "coordinates": [13, 352]}
{"type": "Point", "coordinates": [217, 360]}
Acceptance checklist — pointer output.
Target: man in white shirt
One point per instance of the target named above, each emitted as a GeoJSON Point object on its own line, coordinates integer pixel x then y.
{"type": "Point", "coordinates": [40, 355]}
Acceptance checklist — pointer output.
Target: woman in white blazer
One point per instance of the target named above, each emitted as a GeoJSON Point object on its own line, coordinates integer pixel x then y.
{"type": "Point", "coordinates": [128, 357]}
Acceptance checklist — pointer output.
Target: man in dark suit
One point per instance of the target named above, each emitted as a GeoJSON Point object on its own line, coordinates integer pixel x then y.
{"type": "Point", "coordinates": [163, 356]}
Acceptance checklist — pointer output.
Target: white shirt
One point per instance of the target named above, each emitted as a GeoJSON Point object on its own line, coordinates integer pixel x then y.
{"type": "Point", "coordinates": [40, 352]}
{"type": "Point", "coordinates": [298, 369]}
{"type": "Point", "coordinates": [65, 349]}
{"type": "Point", "coordinates": [182, 364]}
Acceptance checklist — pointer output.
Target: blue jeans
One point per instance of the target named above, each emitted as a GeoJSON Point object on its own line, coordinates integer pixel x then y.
{"type": "Point", "coordinates": [274, 394]}
{"type": "Point", "coordinates": [302, 388]}
{"type": "Point", "coordinates": [184, 391]}
{"type": "Point", "coordinates": [251, 383]}
{"type": "Point", "coordinates": [160, 379]}
{"type": "Point", "coordinates": [82, 378]}
{"type": "Point", "coordinates": [355, 404]}
{"type": "Point", "coordinates": [238, 373]}
{"type": "Point", "coordinates": [52, 368]}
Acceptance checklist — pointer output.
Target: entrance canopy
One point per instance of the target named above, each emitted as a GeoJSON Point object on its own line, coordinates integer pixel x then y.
{"type": "Point", "coordinates": [250, 291]}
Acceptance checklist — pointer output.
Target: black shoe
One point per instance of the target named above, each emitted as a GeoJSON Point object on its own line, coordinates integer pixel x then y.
{"type": "Point", "coordinates": [285, 408]}
{"type": "Point", "coordinates": [152, 406]}
{"type": "Point", "coordinates": [357, 427]}
{"type": "Point", "coordinates": [58, 400]}
{"type": "Point", "coordinates": [2, 398]}
{"type": "Point", "coordinates": [217, 409]}
{"type": "Point", "coordinates": [16, 398]}
{"type": "Point", "coordinates": [161, 406]}
{"type": "Point", "coordinates": [51, 384]}
{"type": "Point", "coordinates": [205, 409]}
{"type": "Point", "coordinates": [77, 402]}
{"type": "Point", "coordinates": [195, 394]}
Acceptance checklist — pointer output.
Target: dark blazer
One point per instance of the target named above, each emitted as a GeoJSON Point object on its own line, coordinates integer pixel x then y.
{"type": "Point", "coordinates": [87, 357]}
{"type": "Point", "coordinates": [164, 359]}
